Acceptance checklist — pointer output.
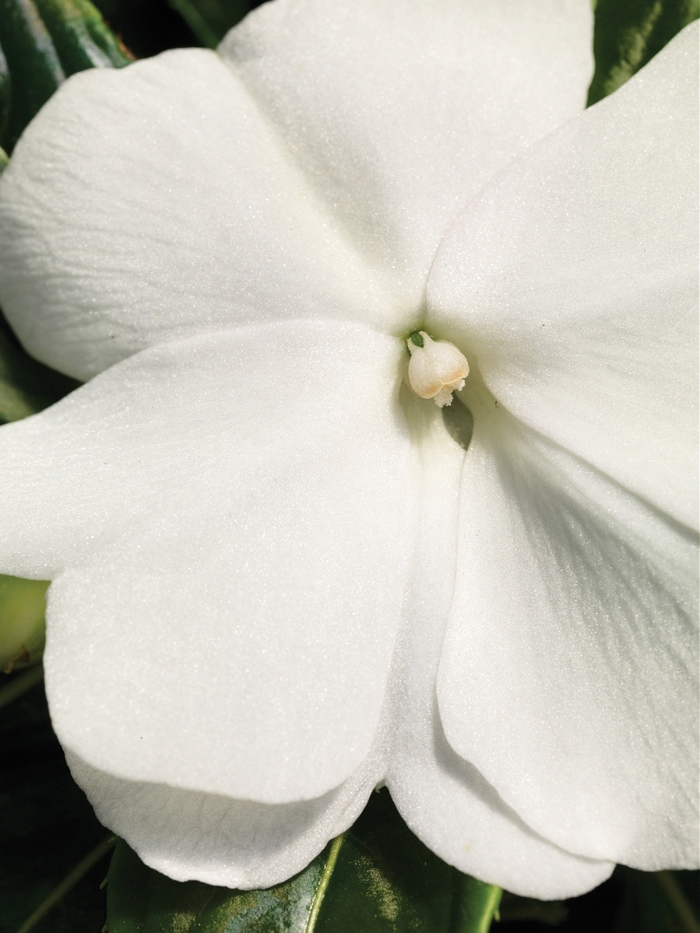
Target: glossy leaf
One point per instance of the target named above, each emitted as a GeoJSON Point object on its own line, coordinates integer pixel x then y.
{"type": "Point", "coordinates": [377, 878]}
{"type": "Point", "coordinates": [630, 32]}
{"type": "Point", "coordinates": [140, 900]}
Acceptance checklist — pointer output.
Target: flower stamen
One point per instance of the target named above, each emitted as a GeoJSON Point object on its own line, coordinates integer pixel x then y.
{"type": "Point", "coordinates": [436, 368]}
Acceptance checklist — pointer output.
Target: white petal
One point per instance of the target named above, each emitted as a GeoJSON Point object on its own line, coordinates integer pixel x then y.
{"type": "Point", "coordinates": [569, 670]}
{"type": "Point", "coordinates": [573, 284]}
{"type": "Point", "coordinates": [401, 110]}
{"type": "Point", "coordinates": [225, 522]}
{"type": "Point", "coordinates": [156, 201]}
{"type": "Point", "coordinates": [445, 801]}
{"type": "Point", "coordinates": [458, 814]}
{"type": "Point", "coordinates": [236, 843]}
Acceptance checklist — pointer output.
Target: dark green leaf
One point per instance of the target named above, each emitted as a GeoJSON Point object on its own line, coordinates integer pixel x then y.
{"type": "Point", "coordinates": [5, 100]}
{"type": "Point", "coordinates": [26, 386]}
{"type": "Point", "coordinates": [140, 900]}
{"type": "Point", "coordinates": [628, 33]}
{"type": "Point", "coordinates": [33, 64]}
{"type": "Point", "coordinates": [81, 36]}
{"type": "Point", "coordinates": [43, 41]}
{"type": "Point", "coordinates": [376, 878]}
{"type": "Point", "coordinates": [46, 824]}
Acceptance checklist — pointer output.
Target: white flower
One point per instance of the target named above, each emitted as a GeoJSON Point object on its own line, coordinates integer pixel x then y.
{"type": "Point", "coordinates": [278, 580]}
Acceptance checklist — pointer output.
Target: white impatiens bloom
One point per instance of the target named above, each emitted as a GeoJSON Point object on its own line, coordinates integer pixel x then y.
{"type": "Point", "coordinates": [279, 576]}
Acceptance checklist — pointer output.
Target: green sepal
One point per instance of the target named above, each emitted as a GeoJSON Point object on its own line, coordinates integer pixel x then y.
{"type": "Point", "coordinates": [377, 877]}
{"type": "Point", "coordinates": [628, 33]}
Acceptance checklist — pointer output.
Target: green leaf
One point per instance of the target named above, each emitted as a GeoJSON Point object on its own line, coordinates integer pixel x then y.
{"type": "Point", "coordinates": [81, 37]}
{"type": "Point", "coordinates": [628, 33]}
{"type": "Point", "coordinates": [47, 827]}
{"type": "Point", "coordinates": [5, 97]}
{"type": "Point", "coordinates": [376, 878]}
{"type": "Point", "coordinates": [26, 386]}
{"type": "Point", "coordinates": [33, 64]}
{"type": "Point", "coordinates": [44, 41]}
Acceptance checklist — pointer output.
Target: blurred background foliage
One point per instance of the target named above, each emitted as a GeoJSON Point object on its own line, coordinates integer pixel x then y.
{"type": "Point", "coordinates": [376, 878]}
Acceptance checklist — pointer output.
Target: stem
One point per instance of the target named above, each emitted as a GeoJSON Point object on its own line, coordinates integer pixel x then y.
{"type": "Point", "coordinates": [71, 879]}
{"type": "Point", "coordinates": [475, 904]}
{"type": "Point", "coordinates": [21, 684]}
{"type": "Point", "coordinates": [325, 880]}
{"type": "Point", "coordinates": [678, 900]}
{"type": "Point", "coordinates": [491, 906]}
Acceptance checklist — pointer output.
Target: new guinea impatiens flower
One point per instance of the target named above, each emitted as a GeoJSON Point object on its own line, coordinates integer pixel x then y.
{"type": "Point", "coordinates": [280, 578]}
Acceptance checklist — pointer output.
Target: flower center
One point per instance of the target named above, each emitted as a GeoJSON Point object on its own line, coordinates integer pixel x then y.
{"type": "Point", "coordinates": [436, 368]}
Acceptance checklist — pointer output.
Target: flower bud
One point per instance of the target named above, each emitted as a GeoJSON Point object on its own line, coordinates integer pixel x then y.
{"type": "Point", "coordinates": [436, 368]}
